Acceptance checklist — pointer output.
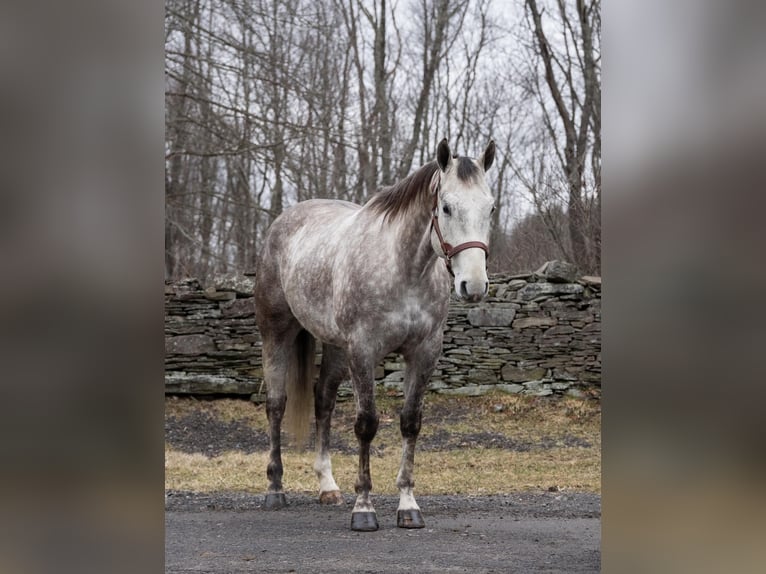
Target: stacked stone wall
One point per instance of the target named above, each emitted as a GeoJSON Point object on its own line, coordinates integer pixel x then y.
{"type": "Point", "coordinates": [536, 334]}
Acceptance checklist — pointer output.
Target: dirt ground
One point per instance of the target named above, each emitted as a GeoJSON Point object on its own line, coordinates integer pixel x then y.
{"type": "Point", "coordinates": [194, 428]}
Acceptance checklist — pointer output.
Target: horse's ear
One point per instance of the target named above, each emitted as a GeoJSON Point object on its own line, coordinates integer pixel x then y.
{"type": "Point", "coordinates": [443, 155]}
{"type": "Point", "coordinates": [488, 157]}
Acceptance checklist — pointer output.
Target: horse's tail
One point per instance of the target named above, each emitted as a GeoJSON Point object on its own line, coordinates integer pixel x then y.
{"type": "Point", "coordinates": [300, 388]}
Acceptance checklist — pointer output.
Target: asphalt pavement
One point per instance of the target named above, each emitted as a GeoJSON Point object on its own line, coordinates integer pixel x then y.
{"type": "Point", "coordinates": [517, 532]}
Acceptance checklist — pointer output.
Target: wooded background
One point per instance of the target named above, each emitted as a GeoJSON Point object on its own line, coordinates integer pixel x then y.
{"type": "Point", "coordinates": [270, 102]}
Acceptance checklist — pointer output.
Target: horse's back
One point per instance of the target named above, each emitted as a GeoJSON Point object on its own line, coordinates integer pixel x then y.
{"type": "Point", "coordinates": [301, 224]}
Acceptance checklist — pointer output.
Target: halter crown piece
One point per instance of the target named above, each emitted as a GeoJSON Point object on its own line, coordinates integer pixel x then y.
{"type": "Point", "coordinates": [449, 250]}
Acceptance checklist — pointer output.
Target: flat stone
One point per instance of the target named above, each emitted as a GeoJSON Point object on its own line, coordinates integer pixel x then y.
{"type": "Point", "coordinates": [224, 345]}
{"type": "Point", "coordinates": [493, 350]}
{"type": "Point", "coordinates": [481, 376]}
{"type": "Point", "coordinates": [475, 333]}
{"type": "Point", "coordinates": [569, 289]}
{"type": "Point", "coordinates": [490, 316]}
{"type": "Point", "coordinates": [214, 295]}
{"type": "Point", "coordinates": [236, 283]}
{"type": "Point", "coordinates": [558, 271]}
{"type": "Point", "coordinates": [238, 308]}
{"type": "Point", "coordinates": [436, 385]}
{"type": "Point", "coordinates": [490, 364]}
{"type": "Point", "coordinates": [510, 388]}
{"type": "Point", "coordinates": [572, 315]}
{"type": "Point", "coordinates": [456, 360]}
{"type": "Point", "coordinates": [534, 290]}
{"type": "Point", "coordinates": [590, 377]}
{"type": "Point", "coordinates": [559, 330]}
{"type": "Point", "coordinates": [563, 375]}
{"type": "Point", "coordinates": [458, 351]}
{"type": "Point", "coordinates": [189, 345]}
{"type": "Point", "coordinates": [468, 390]}
{"type": "Point", "coordinates": [205, 384]}
{"type": "Point", "coordinates": [526, 322]}
{"type": "Point", "coordinates": [465, 391]}
{"type": "Point", "coordinates": [517, 374]}
{"type": "Point", "coordinates": [203, 314]}
{"type": "Point", "coordinates": [591, 280]}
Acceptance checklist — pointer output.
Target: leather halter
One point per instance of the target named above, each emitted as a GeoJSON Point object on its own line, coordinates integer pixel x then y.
{"type": "Point", "coordinates": [448, 249]}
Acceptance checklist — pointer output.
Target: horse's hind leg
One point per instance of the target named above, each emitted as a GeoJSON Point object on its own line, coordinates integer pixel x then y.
{"type": "Point", "coordinates": [334, 369]}
{"type": "Point", "coordinates": [277, 353]}
{"type": "Point", "coordinates": [420, 365]}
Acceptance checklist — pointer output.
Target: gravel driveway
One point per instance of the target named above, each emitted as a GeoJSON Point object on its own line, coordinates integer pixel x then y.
{"type": "Point", "coordinates": [522, 532]}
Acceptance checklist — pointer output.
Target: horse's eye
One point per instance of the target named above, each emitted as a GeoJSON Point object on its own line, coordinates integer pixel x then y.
{"type": "Point", "coordinates": [446, 209]}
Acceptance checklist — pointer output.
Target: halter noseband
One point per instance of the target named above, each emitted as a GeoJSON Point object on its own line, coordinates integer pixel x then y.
{"type": "Point", "coordinates": [449, 251]}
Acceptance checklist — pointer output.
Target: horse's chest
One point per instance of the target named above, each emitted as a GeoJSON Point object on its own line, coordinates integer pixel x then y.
{"type": "Point", "coordinates": [415, 318]}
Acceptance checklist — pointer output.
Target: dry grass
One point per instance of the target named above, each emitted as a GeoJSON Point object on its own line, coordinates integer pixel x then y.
{"type": "Point", "coordinates": [470, 471]}
{"type": "Point", "coordinates": [546, 425]}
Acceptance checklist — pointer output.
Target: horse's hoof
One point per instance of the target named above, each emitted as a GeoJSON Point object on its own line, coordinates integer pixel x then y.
{"type": "Point", "coordinates": [409, 519]}
{"type": "Point", "coordinates": [275, 501]}
{"type": "Point", "coordinates": [331, 497]}
{"type": "Point", "coordinates": [364, 521]}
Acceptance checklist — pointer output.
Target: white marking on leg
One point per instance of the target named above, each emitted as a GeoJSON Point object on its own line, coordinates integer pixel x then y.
{"type": "Point", "coordinates": [363, 504]}
{"type": "Point", "coordinates": [323, 469]}
{"type": "Point", "coordinates": [407, 499]}
{"type": "Point", "coordinates": [404, 478]}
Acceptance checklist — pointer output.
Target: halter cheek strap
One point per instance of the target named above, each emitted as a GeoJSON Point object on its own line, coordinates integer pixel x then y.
{"type": "Point", "coordinates": [448, 249]}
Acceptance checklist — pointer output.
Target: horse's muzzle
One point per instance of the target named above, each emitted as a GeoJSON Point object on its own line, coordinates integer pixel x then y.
{"type": "Point", "coordinates": [473, 291]}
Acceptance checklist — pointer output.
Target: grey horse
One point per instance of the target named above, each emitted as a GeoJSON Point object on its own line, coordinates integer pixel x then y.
{"type": "Point", "coordinates": [366, 281]}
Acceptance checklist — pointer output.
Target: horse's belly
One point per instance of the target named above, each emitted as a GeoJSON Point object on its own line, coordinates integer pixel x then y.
{"type": "Point", "coordinates": [318, 323]}
{"type": "Point", "coordinates": [309, 295]}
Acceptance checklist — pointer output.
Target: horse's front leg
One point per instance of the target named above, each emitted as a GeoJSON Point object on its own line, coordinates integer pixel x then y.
{"type": "Point", "coordinates": [363, 517]}
{"type": "Point", "coordinates": [420, 365]}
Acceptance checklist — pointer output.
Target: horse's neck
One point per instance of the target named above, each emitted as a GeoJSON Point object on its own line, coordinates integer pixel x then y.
{"type": "Point", "coordinates": [413, 245]}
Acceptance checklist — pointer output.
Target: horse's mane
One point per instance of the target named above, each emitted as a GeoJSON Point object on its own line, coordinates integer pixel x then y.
{"type": "Point", "coordinates": [412, 191]}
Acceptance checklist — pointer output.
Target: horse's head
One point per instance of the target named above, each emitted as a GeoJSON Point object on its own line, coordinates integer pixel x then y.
{"type": "Point", "coordinates": [463, 207]}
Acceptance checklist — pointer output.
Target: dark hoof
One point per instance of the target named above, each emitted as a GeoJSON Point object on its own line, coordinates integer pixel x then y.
{"type": "Point", "coordinates": [409, 519]}
{"type": "Point", "coordinates": [364, 521]}
{"type": "Point", "coordinates": [331, 497]}
{"type": "Point", "coordinates": [275, 501]}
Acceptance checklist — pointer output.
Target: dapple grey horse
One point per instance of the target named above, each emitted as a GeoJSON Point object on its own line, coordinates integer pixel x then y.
{"type": "Point", "coordinates": [366, 281]}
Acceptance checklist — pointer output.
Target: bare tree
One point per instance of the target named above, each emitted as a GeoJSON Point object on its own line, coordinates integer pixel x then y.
{"type": "Point", "coordinates": [270, 102]}
{"type": "Point", "coordinates": [570, 106]}
{"type": "Point", "coordinates": [436, 40]}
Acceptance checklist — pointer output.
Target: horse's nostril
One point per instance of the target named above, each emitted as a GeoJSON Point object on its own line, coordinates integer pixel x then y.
{"type": "Point", "coordinates": [463, 290]}
{"type": "Point", "coordinates": [486, 287]}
